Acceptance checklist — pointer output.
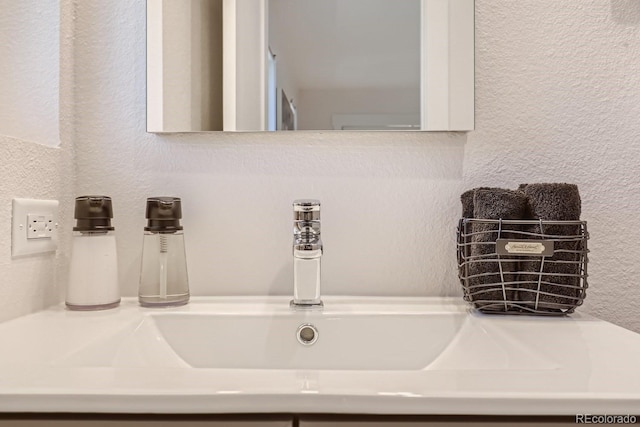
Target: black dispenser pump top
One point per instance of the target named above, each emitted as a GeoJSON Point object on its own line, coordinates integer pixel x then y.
{"type": "Point", "coordinates": [93, 214]}
{"type": "Point", "coordinates": [163, 214]}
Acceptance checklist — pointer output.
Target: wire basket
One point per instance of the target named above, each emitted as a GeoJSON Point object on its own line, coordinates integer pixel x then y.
{"type": "Point", "coordinates": [523, 266]}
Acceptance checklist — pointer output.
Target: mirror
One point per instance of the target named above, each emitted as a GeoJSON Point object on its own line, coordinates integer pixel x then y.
{"type": "Point", "coordinates": [254, 65]}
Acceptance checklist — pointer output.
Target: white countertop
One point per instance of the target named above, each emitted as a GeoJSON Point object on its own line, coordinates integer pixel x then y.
{"type": "Point", "coordinates": [570, 365]}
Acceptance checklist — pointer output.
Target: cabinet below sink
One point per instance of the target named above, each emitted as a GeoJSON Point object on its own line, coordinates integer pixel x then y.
{"type": "Point", "coordinates": [106, 420]}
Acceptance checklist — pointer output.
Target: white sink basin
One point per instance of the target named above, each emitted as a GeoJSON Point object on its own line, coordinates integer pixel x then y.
{"type": "Point", "coordinates": [349, 337]}
{"type": "Point", "coordinates": [270, 341]}
{"type": "Point", "coordinates": [355, 342]}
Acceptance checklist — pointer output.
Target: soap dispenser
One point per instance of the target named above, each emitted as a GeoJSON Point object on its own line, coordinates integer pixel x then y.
{"type": "Point", "coordinates": [163, 275]}
{"type": "Point", "coordinates": [93, 274]}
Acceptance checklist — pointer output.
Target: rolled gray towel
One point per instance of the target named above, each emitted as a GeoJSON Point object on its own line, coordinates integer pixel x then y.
{"type": "Point", "coordinates": [467, 209]}
{"type": "Point", "coordinates": [467, 212]}
{"type": "Point", "coordinates": [467, 200]}
{"type": "Point", "coordinates": [555, 202]}
{"type": "Point", "coordinates": [467, 203]}
{"type": "Point", "coordinates": [494, 203]}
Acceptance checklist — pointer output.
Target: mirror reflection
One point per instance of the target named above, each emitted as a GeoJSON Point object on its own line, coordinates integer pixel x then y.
{"type": "Point", "coordinates": [256, 65]}
{"type": "Point", "coordinates": [344, 64]}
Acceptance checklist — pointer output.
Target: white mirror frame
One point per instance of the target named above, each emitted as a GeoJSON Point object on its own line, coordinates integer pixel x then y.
{"type": "Point", "coordinates": [447, 87]}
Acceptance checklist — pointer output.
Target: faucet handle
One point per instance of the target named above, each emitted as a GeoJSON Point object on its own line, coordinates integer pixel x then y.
{"type": "Point", "coordinates": [306, 210]}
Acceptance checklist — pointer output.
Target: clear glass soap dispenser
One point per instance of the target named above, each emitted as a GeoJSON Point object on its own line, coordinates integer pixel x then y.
{"type": "Point", "coordinates": [163, 276]}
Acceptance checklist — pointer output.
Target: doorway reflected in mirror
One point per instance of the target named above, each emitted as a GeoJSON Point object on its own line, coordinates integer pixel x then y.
{"type": "Point", "coordinates": [347, 57]}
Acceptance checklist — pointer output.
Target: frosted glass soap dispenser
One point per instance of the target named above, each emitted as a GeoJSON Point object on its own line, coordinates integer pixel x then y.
{"type": "Point", "coordinates": [93, 274]}
{"type": "Point", "coordinates": [163, 276]}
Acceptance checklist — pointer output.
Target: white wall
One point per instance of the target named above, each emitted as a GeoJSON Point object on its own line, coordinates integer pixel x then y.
{"type": "Point", "coordinates": [30, 169]}
{"type": "Point", "coordinates": [29, 52]}
{"type": "Point", "coordinates": [238, 188]}
{"type": "Point", "coordinates": [558, 99]}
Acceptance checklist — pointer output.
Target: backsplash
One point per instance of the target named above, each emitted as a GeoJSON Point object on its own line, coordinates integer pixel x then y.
{"type": "Point", "coordinates": [557, 100]}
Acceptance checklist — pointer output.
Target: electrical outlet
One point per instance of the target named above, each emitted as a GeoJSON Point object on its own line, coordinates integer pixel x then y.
{"type": "Point", "coordinates": [34, 226]}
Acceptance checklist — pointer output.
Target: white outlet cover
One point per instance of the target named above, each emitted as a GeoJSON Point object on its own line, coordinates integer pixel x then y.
{"type": "Point", "coordinates": [34, 210]}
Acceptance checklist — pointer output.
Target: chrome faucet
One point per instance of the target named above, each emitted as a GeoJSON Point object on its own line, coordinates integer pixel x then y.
{"type": "Point", "coordinates": [307, 253]}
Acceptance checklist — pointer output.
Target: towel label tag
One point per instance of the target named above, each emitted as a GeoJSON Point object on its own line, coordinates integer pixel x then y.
{"type": "Point", "coordinates": [524, 247]}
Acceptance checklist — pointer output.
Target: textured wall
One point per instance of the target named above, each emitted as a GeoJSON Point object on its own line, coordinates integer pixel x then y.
{"type": "Point", "coordinates": [29, 170]}
{"type": "Point", "coordinates": [558, 96]}
{"type": "Point", "coordinates": [558, 99]}
{"type": "Point", "coordinates": [32, 170]}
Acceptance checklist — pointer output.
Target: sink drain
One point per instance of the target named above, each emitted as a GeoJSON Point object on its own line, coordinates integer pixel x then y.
{"type": "Point", "coordinates": [307, 334]}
